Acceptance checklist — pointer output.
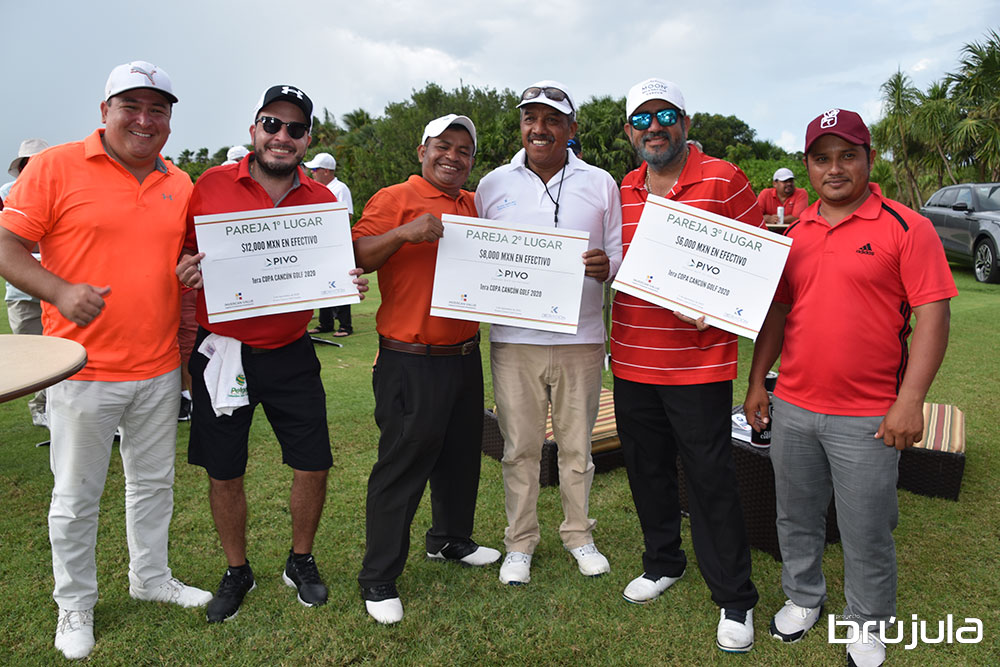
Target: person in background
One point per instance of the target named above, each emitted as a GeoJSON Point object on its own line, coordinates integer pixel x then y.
{"type": "Point", "coordinates": [324, 170]}
{"type": "Point", "coordinates": [793, 200]}
{"type": "Point", "coordinates": [24, 312]}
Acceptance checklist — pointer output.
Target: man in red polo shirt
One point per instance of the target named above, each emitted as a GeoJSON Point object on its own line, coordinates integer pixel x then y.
{"type": "Point", "coordinates": [428, 380]}
{"type": "Point", "coordinates": [784, 194]}
{"type": "Point", "coordinates": [674, 380]}
{"type": "Point", "coordinates": [850, 394]}
{"type": "Point", "coordinates": [277, 358]}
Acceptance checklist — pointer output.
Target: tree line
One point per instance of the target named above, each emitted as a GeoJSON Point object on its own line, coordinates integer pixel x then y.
{"type": "Point", "coordinates": [375, 152]}
{"type": "Point", "coordinates": [949, 133]}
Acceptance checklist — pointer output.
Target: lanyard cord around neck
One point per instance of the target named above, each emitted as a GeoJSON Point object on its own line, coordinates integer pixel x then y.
{"type": "Point", "coordinates": [562, 177]}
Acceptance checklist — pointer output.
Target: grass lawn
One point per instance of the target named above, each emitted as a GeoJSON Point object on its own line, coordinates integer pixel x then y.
{"type": "Point", "coordinates": [947, 553]}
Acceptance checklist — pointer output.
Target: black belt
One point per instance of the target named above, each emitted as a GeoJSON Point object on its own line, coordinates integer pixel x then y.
{"type": "Point", "coordinates": [463, 348]}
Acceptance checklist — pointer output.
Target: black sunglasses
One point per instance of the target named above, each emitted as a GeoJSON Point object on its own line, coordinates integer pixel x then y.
{"type": "Point", "coordinates": [273, 125]}
{"type": "Point", "coordinates": [553, 94]}
{"type": "Point", "coordinates": [665, 117]}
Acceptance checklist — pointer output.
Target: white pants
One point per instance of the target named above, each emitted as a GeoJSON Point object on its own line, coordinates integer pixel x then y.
{"type": "Point", "coordinates": [83, 417]}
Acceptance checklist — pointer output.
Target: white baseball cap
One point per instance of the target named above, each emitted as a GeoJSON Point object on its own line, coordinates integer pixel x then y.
{"type": "Point", "coordinates": [540, 96]}
{"type": "Point", "coordinates": [138, 74]}
{"type": "Point", "coordinates": [653, 89]}
{"type": "Point", "coordinates": [321, 161]}
{"type": "Point", "coordinates": [237, 153]}
{"type": "Point", "coordinates": [28, 148]}
{"type": "Point", "coordinates": [783, 174]}
{"type": "Point", "coordinates": [439, 125]}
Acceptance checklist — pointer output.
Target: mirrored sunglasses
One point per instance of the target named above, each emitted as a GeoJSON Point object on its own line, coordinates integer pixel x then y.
{"type": "Point", "coordinates": [665, 117]}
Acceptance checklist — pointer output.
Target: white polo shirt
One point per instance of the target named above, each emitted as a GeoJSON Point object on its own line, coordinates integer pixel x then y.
{"type": "Point", "coordinates": [590, 201]}
{"type": "Point", "coordinates": [342, 193]}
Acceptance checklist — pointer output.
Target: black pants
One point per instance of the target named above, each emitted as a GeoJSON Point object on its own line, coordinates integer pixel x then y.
{"type": "Point", "coordinates": [656, 423]}
{"type": "Point", "coordinates": [430, 414]}
{"type": "Point", "coordinates": [341, 313]}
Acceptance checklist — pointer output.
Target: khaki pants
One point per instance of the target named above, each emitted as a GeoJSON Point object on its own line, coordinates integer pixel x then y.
{"type": "Point", "coordinates": [526, 378]}
{"type": "Point", "coordinates": [25, 317]}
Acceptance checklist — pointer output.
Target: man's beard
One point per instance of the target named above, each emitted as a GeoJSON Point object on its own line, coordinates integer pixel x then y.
{"type": "Point", "coordinates": [280, 170]}
{"type": "Point", "coordinates": [661, 159]}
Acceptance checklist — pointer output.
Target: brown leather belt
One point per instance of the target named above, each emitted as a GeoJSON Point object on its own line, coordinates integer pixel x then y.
{"type": "Point", "coordinates": [463, 348]}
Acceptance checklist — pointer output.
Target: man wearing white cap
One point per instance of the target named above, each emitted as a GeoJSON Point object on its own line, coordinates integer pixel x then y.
{"type": "Point", "coordinates": [108, 215]}
{"type": "Point", "coordinates": [428, 379]}
{"type": "Point", "coordinates": [674, 380]}
{"type": "Point", "coordinates": [545, 184]}
{"type": "Point", "coordinates": [324, 170]}
{"type": "Point", "coordinates": [24, 311]}
{"type": "Point", "coordinates": [235, 154]}
{"type": "Point", "coordinates": [783, 197]}
{"type": "Point", "coordinates": [274, 355]}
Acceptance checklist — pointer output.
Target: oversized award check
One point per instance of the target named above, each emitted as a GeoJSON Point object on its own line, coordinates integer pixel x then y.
{"type": "Point", "coordinates": [521, 275]}
{"type": "Point", "coordinates": [700, 263]}
{"type": "Point", "coordinates": [276, 260]}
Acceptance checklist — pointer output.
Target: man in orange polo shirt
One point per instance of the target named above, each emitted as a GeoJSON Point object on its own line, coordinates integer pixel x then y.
{"type": "Point", "coordinates": [674, 380]}
{"type": "Point", "coordinates": [850, 393]}
{"type": "Point", "coordinates": [428, 379]}
{"type": "Point", "coordinates": [784, 194]}
{"type": "Point", "coordinates": [108, 215]}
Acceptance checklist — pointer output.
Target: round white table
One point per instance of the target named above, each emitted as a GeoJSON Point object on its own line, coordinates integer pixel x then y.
{"type": "Point", "coordinates": [30, 363]}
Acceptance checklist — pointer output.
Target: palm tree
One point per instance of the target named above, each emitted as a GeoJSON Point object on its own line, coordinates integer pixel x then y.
{"type": "Point", "coordinates": [934, 121]}
{"type": "Point", "coordinates": [900, 98]}
{"type": "Point", "coordinates": [976, 89]}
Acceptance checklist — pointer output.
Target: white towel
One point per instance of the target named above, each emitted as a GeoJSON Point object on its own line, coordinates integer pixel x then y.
{"type": "Point", "coordinates": [227, 386]}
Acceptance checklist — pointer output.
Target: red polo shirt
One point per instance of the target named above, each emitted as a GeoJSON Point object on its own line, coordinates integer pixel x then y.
{"type": "Point", "coordinates": [230, 188]}
{"type": "Point", "coordinates": [794, 205]}
{"type": "Point", "coordinates": [852, 288]}
{"type": "Point", "coordinates": [648, 343]}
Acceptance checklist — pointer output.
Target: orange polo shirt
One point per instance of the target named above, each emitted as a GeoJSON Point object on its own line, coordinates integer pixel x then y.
{"type": "Point", "coordinates": [794, 205]}
{"type": "Point", "coordinates": [406, 280]}
{"type": "Point", "coordinates": [96, 224]}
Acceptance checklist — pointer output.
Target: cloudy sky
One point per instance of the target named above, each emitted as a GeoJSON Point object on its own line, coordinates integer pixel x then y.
{"type": "Point", "coordinates": [774, 63]}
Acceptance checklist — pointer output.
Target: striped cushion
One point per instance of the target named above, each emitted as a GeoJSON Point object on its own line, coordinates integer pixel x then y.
{"type": "Point", "coordinates": [944, 429]}
{"type": "Point", "coordinates": [605, 435]}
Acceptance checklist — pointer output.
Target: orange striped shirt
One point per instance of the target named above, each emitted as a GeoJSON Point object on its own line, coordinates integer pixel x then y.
{"type": "Point", "coordinates": [649, 344]}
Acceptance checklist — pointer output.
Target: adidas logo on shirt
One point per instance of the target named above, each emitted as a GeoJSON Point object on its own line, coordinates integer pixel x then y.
{"type": "Point", "coordinates": [866, 249]}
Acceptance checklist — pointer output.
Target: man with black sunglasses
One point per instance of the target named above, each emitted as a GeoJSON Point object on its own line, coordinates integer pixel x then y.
{"type": "Point", "coordinates": [674, 380]}
{"type": "Point", "coordinates": [276, 356]}
{"type": "Point", "coordinates": [545, 184]}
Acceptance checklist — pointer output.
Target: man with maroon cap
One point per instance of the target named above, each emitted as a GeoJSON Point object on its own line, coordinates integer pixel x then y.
{"type": "Point", "coordinates": [849, 396]}
{"type": "Point", "coordinates": [108, 215]}
{"type": "Point", "coordinates": [674, 380]}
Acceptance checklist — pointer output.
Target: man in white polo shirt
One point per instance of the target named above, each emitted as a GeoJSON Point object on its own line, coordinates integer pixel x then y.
{"type": "Point", "coordinates": [324, 170]}
{"type": "Point", "coordinates": [546, 185]}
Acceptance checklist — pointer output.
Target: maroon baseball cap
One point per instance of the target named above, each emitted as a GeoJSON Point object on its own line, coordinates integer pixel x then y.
{"type": "Point", "coordinates": [840, 122]}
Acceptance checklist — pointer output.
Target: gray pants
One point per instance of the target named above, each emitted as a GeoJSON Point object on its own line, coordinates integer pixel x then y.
{"type": "Point", "coordinates": [25, 317]}
{"type": "Point", "coordinates": [813, 455]}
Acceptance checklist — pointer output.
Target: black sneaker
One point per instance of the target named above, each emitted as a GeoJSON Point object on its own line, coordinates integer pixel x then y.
{"type": "Point", "coordinates": [301, 574]}
{"type": "Point", "coordinates": [466, 552]}
{"type": "Point", "coordinates": [185, 412]}
{"type": "Point", "coordinates": [235, 584]}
